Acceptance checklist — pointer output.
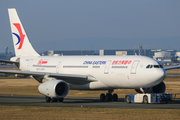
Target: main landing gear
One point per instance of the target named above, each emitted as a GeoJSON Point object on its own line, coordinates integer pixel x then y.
{"type": "Point", "coordinates": [108, 97]}
{"type": "Point", "coordinates": [48, 99]}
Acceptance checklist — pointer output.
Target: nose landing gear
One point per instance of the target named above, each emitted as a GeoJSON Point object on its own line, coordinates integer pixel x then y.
{"type": "Point", "coordinates": [108, 97]}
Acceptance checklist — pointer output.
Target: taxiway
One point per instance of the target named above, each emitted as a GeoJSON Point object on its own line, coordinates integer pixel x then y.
{"type": "Point", "coordinates": [80, 102]}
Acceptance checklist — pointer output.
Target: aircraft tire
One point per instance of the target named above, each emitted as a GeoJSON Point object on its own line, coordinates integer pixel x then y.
{"type": "Point", "coordinates": [54, 100]}
{"type": "Point", "coordinates": [48, 99]}
{"type": "Point", "coordinates": [61, 99]}
{"type": "Point", "coordinates": [115, 97]}
{"type": "Point", "coordinates": [102, 97]}
{"type": "Point", "coordinates": [108, 97]}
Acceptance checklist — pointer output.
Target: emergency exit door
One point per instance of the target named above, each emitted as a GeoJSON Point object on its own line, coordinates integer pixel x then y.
{"type": "Point", "coordinates": [29, 64]}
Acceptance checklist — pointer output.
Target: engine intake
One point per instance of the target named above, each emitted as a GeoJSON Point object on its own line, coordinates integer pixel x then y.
{"type": "Point", "coordinates": [160, 88]}
{"type": "Point", "coordinates": [54, 88]}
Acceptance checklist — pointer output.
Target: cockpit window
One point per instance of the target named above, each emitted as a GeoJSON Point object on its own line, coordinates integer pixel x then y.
{"type": "Point", "coordinates": [160, 66]}
{"type": "Point", "coordinates": [154, 66]}
{"type": "Point", "coordinates": [148, 66]}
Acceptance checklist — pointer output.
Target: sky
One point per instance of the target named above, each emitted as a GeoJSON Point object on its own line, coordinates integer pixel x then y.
{"type": "Point", "coordinates": [94, 24]}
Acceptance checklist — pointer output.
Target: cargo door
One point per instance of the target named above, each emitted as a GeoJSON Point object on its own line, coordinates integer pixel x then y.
{"type": "Point", "coordinates": [134, 67]}
{"type": "Point", "coordinates": [106, 69]}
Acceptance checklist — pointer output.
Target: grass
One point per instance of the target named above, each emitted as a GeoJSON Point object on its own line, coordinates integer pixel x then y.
{"type": "Point", "coordinates": [75, 113]}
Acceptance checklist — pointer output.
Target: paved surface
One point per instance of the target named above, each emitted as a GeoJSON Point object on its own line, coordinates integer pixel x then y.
{"type": "Point", "coordinates": [173, 75]}
{"type": "Point", "coordinates": [78, 102]}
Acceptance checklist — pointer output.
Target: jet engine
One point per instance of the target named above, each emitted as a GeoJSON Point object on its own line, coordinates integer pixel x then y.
{"type": "Point", "coordinates": [54, 88]}
{"type": "Point", "coordinates": [160, 88]}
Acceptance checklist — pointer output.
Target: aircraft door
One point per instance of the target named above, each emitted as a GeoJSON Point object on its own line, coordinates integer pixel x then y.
{"type": "Point", "coordinates": [29, 64]}
{"type": "Point", "coordinates": [58, 67]}
{"type": "Point", "coordinates": [134, 66]}
{"type": "Point", "coordinates": [106, 69]}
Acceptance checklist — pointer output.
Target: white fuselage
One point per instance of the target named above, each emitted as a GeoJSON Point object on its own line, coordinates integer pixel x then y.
{"type": "Point", "coordinates": [112, 72]}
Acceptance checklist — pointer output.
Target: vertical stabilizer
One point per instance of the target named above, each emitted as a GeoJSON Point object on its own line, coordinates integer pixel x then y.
{"type": "Point", "coordinates": [22, 45]}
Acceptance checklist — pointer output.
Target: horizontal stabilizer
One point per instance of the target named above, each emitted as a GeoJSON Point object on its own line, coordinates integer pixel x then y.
{"type": "Point", "coordinates": [8, 61]}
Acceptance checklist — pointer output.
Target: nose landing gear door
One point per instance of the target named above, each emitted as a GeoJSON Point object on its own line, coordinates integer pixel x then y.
{"type": "Point", "coordinates": [134, 67]}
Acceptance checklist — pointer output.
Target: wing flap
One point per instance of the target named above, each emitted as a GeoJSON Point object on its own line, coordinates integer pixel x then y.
{"type": "Point", "coordinates": [74, 79]}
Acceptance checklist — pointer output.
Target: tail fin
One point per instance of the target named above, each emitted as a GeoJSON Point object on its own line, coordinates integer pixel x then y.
{"type": "Point", "coordinates": [22, 46]}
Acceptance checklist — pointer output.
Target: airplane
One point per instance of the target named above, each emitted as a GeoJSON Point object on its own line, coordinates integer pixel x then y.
{"type": "Point", "coordinates": [59, 74]}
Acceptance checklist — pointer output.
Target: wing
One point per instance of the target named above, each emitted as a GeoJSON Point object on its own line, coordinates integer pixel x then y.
{"type": "Point", "coordinates": [69, 78]}
{"type": "Point", "coordinates": [172, 67]}
{"type": "Point", "coordinates": [10, 62]}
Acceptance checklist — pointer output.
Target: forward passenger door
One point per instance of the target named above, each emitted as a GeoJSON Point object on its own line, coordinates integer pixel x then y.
{"type": "Point", "coordinates": [134, 67]}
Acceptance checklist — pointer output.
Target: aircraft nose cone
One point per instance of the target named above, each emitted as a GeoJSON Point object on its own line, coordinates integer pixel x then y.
{"type": "Point", "coordinates": [158, 76]}
{"type": "Point", "coordinates": [162, 74]}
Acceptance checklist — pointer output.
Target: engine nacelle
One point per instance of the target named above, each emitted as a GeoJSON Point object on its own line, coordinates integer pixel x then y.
{"type": "Point", "coordinates": [54, 88]}
{"type": "Point", "coordinates": [160, 88]}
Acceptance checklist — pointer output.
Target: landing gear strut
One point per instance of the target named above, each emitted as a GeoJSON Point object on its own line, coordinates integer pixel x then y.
{"type": "Point", "coordinates": [108, 97]}
{"type": "Point", "coordinates": [49, 99]}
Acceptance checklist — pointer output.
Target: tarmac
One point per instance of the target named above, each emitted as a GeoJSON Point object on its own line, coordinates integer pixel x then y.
{"type": "Point", "coordinates": [81, 102]}
{"type": "Point", "coordinates": [173, 75]}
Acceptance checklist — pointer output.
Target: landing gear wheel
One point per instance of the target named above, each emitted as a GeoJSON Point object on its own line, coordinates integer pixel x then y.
{"type": "Point", "coordinates": [128, 99]}
{"type": "Point", "coordinates": [145, 99]}
{"type": "Point", "coordinates": [102, 97]}
{"type": "Point", "coordinates": [60, 99]}
{"type": "Point", "coordinates": [54, 100]}
{"type": "Point", "coordinates": [108, 97]}
{"type": "Point", "coordinates": [115, 97]}
{"type": "Point", "coordinates": [48, 99]}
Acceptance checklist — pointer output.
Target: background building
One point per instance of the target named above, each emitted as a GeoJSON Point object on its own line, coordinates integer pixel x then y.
{"type": "Point", "coordinates": [70, 52]}
{"type": "Point", "coordinates": [164, 56]}
{"type": "Point", "coordinates": [6, 55]}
